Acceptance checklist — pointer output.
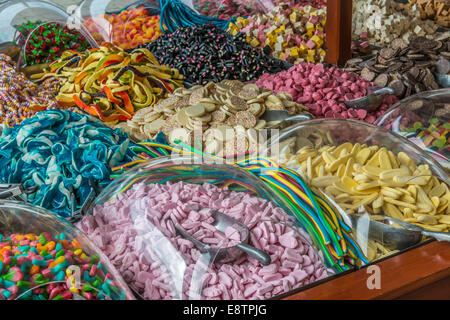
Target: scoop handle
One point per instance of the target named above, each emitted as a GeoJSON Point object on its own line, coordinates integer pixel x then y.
{"type": "Point", "coordinates": [259, 255]}
{"type": "Point", "coordinates": [299, 117]}
{"type": "Point", "coordinates": [439, 236]}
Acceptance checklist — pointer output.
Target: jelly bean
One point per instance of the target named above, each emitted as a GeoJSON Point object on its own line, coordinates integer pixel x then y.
{"type": "Point", "coordinates": [17, 281]}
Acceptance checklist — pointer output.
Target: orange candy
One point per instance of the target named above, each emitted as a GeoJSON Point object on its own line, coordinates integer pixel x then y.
{"type": "Point", "coordinates": [129, 28]}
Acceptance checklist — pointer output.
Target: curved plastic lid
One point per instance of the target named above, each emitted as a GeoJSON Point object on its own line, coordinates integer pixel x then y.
{"type": "Point", "coordinates": [424, 119]}
{"type": "Point", "coordinates": [352, 164]}
{"type": "Point", "coordinates": [49, 259]}
{"type": "Point", "coordinates": [179, 224]}
{"type": "Point", "coordinates": [41, 30]}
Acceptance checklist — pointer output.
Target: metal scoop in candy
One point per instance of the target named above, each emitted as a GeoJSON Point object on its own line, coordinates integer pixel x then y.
{"type": "Point", "coordinates": [394, 238]}
{"type": "Point", "coordinates": [371, 101]}
{"type": "Point", "coordinates": [222, 222]}
{"type": "Point", "coordinates": [440, 236]}
{"type": "Point", "coordinates": [282, 116]}
{"type": "Point", "coordinates": [390, 237]}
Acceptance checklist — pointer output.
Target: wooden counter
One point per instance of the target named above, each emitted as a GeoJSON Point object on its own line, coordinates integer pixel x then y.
{"type": "Point", "coordinates": [420, 273]}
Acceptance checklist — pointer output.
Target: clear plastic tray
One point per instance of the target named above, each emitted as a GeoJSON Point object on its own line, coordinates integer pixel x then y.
{"type": "Point", "coordinates": [15, 14]}
{"type": "Point", "coordinates": [424, 119]}
{"type": "Point", "coordinates": [155, 251]}
{"type": "Point", "coordinates": [371, 230]}
{"type": "Point", "coordinates": [24, 219]}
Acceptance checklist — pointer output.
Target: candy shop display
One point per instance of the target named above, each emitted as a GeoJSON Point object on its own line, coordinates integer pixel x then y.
{"type": "Point", "coordinates": [311, 212]}
{"type": "Point", "coordinates": [19, 97]}
{"type": "Point", "coordinates": [425, 120]}
{"type": "Point", "coordinates": [218, 150]}
{"type": "Point", "coordinates": [223, 116]}
{"type": "Point", "coordinates": [110, 83]}
{"type": "Point", "coordinates": [44, 258]}
{"type": "Point", "coordinates": [437, 10]}
{"type": "Point", "coordinates": [145, 205]}
{"type": "Point", "coordinates": [41, 30]}
{"type": "Point", "coordinates": [385, 20]}
{"type": "Point", "coordinates": [364, 169]}
{"type": "Point", "coordinates": [206, 53]}
{"type": "Point", "coordinates": [127, 29]}
{"type": "Point", "coordinates": [323, 90]}
{"type": "Point", "coordinates": [67, 155]}
{"type": "Point", "coordinates": [292, 34]}
{"type": "Point", "coordinates": [407, 68]}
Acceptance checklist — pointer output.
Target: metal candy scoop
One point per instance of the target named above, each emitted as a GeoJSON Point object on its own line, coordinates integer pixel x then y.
{"type": "Point", "coordinates": [371, 101]}
{"type": "Point", "coordinates": [391, 237]}
{"type": "Point", "coordinates": [283, 116]}
{"type": "Point", "coordinates": [227, 254]}
{"type": "Point", "coordinates": [395, 238]}
{"type": "Point", "coordinates": [440, 236]}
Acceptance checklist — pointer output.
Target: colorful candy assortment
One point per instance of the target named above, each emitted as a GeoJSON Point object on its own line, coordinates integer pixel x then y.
{"type": "Point", "coordinates": [331, 235]}
{"type": "Point", "coordinates": [211, 86]}
{"type": "Point", "coordinates": [20, 98]}
{"type": "Point", "coordinates": [36, 267]}
{"type": "Point", "coordinates": [207, 53]}
{"type": "Point", "coordinates": [424, 121]}
{"type": "Point", "coordinates": [126, 30]}
{"type": "Point", "coordinates": [146, 210]}
{"type": "Point", "coordinates": [66, 154]}
{"type": "Point", "coordinates": [47, 41]}
{"type": "Point", "coordinates": [292, 34]}
{"type": "Point", "coordinates": [223, 116]}
{"type": "Point", "coordinates": [323, 89]}
{"type": "Point", "coordinates": [110, 83]}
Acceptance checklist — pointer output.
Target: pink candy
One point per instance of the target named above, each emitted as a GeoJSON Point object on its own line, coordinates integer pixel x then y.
{"type": "Point", "coordinates": [323, 89]}
{"type": "Point", "coordinates": [135, 230]}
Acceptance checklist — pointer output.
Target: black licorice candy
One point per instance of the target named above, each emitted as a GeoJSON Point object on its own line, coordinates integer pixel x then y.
{"type": "Point", "coordinates": [207, 53]}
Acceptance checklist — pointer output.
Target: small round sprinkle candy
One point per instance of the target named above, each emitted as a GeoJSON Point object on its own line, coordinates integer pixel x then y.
{"type": "Point", "coordinates": [20, 98]}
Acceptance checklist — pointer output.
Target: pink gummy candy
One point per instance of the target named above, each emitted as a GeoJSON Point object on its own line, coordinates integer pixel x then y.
{"type": "Point", "coordinates": [136, 231]}
{"type": "Point", "coordinates": [323, 90]}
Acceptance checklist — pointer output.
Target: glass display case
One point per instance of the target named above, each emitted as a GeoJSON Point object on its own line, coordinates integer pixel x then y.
{"type": "Point", "coordinates": [424, 119]}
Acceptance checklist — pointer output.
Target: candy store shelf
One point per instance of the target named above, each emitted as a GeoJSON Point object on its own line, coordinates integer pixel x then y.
{"type": "Point", "coordinates": [419, 273]}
